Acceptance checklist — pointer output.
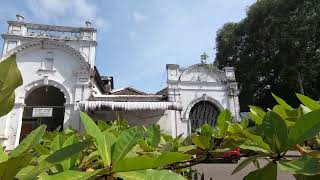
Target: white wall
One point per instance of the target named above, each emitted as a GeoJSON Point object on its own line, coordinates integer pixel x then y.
{"type": "Point", "coordinates": [163, 118]}
{"type": "Point", "coordinates": [65, 75]}
{"type": "Point", "coordinates": [197, 83]}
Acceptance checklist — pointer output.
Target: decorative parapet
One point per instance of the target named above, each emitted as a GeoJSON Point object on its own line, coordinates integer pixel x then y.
{"type": "Point", "coordinates": [31, 30]}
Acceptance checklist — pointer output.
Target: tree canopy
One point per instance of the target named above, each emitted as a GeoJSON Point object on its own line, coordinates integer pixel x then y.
{"type": "Point", "coordinates": [274, 49]}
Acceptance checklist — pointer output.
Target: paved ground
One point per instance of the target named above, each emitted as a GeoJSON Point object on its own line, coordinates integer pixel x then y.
{"type": "Point", "coordinates": [223, 171]}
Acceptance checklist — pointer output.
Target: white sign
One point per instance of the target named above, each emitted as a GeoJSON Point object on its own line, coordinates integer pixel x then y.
{"type": "Point", "coordinates": [42, 112]}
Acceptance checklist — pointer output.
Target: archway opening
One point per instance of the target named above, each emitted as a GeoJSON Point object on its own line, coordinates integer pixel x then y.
{"type": "Point", "coordinates": [203, 112]}
{"type": "Point", "coordinates": [44, 105]}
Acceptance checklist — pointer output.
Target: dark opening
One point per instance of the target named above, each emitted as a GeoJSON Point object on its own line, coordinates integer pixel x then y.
{"type": "Point", "coordinates": [43, 97]}
{"type": "Point", "coordinates": [203, 112]}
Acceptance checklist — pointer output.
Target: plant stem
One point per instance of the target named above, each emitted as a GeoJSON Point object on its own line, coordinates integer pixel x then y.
{"type": "Point", "coordinates": [191, 163]}
{"type": "Point", "coordinates": [300, 149]}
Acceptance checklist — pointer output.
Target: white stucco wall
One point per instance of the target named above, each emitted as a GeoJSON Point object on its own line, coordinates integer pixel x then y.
{"type": "Point", "coordinates": [69, 74]}
{"type": "Point", "coordinates": [163, 118]}
{"type": "Point", "coordinates": [200, 82]}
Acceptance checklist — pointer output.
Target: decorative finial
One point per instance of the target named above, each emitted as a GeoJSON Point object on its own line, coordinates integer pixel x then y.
{"type": "Point", "coordinates": [88, 23]}
{"type": "Point", "coordinates": [204, 58]}
{"type": "Point", "coordinates": [19, 17]}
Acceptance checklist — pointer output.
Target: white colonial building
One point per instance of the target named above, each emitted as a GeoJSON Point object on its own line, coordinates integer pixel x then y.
{"type": "Point", "coordinates": [60, 79]}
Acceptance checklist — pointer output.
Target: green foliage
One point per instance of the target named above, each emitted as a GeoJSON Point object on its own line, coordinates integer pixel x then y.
{"type": "Point", "coordinates": [70, 175]}
{"type": "Point", "coordinates": [149, 174]}
{"type": "Point", "coordinates": [103, 142]}
{"type": "Point", "coordinates": [308, 102]}
{"type": "Point", "coordinates": [115, 150]}
{"type": "Point", "coordinates": [275, 132]}
{"type": "Point", "coordinates": [153, 135]}
{"type": "Point", "coordinates": [269, 172]}
{"type": "Point", "coordinates": [305, 127]}
{"type": "Point", "coordinates": [222, 123]}
{"type": "Point", "coordinates": [10, 79]}
{"type": "Point", "coordinates": [281, 136]}
{"type": "Point", "coordinates": [3, 156]}
{"type": "Point", "coordinates": [305, 165]}
{"type": "Point", "coordinates": [275, 48]}
{"type": "Point", "coordinates": [29, 142]}
{"type": "Point", "coordinates": [126, 141]}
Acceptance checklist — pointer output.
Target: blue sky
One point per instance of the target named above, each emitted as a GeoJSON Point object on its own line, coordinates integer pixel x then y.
{"type": "Point", "coordinates": [137, 38]}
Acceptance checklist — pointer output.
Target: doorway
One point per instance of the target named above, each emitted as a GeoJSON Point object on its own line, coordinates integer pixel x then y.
{"type": "Point", "coordinates": [44, 105]}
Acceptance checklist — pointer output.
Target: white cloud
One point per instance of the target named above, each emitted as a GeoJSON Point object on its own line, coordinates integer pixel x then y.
{"type": "Point", "coordinates": [139, 17]}
{"type": "Point", "coordinates": [67, 11]}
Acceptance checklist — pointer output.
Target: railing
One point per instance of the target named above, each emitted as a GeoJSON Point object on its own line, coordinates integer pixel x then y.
{"type": "Point", "coordinates": [54, 34]}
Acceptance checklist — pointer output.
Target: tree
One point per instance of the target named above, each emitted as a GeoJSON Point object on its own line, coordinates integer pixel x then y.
{"type": "Point", "coordinates": [274, 49]}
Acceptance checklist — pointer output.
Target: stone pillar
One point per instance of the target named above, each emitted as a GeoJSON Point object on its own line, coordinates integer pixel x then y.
{"type": "Point", "coordinates": [13, 126]}
{"type": "Point", "coordinates": [233, 92]}
{"type": "Point", "coordinates": [69, 121]}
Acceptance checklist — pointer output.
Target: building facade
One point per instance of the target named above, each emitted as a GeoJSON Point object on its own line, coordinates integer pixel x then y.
{"type": "Point", "coordinates": [60, 79]}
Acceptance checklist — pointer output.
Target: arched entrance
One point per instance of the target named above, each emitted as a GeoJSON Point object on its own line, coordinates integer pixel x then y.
{"type": "Point", "coordinates": [44, 105]}
{"type": "Point", "coordinates": [203, 112]}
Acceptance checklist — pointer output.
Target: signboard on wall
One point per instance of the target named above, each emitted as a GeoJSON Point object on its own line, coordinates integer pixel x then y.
{"type": "Point", "coordinates": [42, 112]}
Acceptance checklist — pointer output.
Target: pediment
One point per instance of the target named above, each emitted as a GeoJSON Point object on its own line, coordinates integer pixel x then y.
{"type": "Point", "coordinates": [202, 73]}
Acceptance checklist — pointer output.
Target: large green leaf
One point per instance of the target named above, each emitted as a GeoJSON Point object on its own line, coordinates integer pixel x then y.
{"type": "Point", "coordinates": [145, 147]}
{"type": "Point", "coordinates": [29, 142]}
{"type": "Point", "coordinates": [90, 126]}
{"type": "Point", "coordinates": [170, 143]}
{"type": "Point", "coordinates": [287, 114]}
{"type": "Point", "coordinates": [69, 175]}
{"type": "Point", "coordinates": [222, 122]}
{"type": "Point", "coordinates": [7, 104]}
{"type": "Point", "coordinates": [310, 103]}
{"type": "Point", "coordinates": [306, 165]}
{"type": "Point", "coordinates": [126, 141]}
{"type": "Point", "coordinates": [103, 141]}
{"type": "Point", "coordinates": [103, 125]}
{"type": "Point", "coordinates": [8, 169]}
{"type": "Point", "coordinates": [305, 177]}
{"type": "Point", "coordinates": [275, 132]}
{"type": "Point", "coordinates": [42, 150]}
{"type": "Point", "coordinates": [57, 142]}
{"type": "Point", "coordinates": [251, 145]}
{"type": "Point", "coordinates": [257, 111]}
{"type": "Point", "coordinates": [185, 149]}
{"type": "Point", "coordinates": [89, 158]}
{"type": "Point", "coordinates": [153, 135]}
{"type": "Point", "coordinates": [149, 174]}
{"type": "Point", "coordinates": [10, 79]}
{"type": "Point", "coordinates": [257, 139]}
{"type": "Point", "coordinates": [133, 164]}
{"type": "Point", "coordinates": [203, 142]}
{"type": "Point", "coordinates": [57, 157]}
{"type": "Point", "coordinates": [305, 128]}
{"type": "Point", "coordinates": [171, 158]}
{"type": "Point", "coordinates": [281, 102]}
{"type": "Point", "coordinates": [269, 172]}
{"type": "Point", "coordinates": [3, 155]}
{"type": "Point", "coordinates": [70, 162]}
{"type": "Point", "coordinates": [257, 119]}
{"type": "Point", "coordinates": [244, 163]}
{"type": "Point", "coordinates": [244, 123]}
{"type": "Point", "coordinates": [206, 130]}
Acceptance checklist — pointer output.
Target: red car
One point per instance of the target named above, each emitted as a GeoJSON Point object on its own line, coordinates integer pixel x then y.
{"type": "Point", "coordinates": [233, 155]}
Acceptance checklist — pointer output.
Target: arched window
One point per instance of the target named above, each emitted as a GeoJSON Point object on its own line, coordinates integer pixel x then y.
{"type": "Point", "coordinates": [203, 112]}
